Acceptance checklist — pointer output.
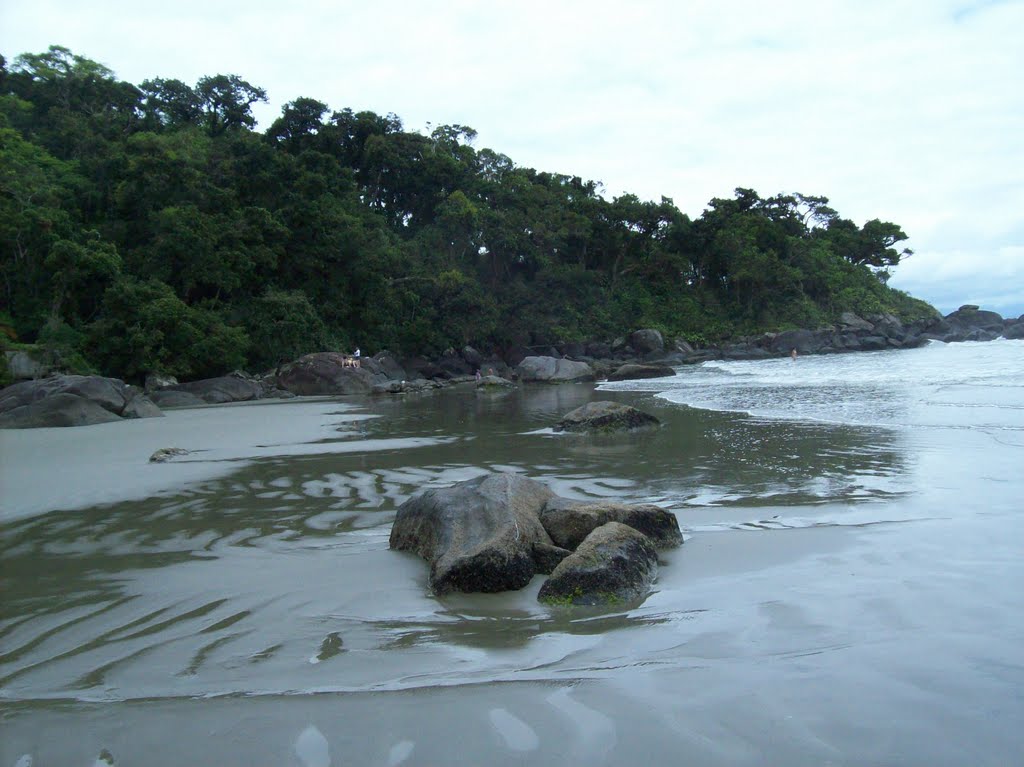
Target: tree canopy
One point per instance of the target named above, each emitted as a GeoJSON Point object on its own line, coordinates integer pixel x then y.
{"type": "Point", "coordinates": [153, 228]}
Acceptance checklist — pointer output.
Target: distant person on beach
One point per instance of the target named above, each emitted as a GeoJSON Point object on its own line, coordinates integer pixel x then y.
{"type": "Point", "coordinates": [355, 357]}
{"type": "Point", "coordinates": [478, 376]}
{"type": "Point", "coordinates": [792, 355]}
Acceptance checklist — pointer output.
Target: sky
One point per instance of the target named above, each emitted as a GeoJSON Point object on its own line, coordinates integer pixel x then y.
{"type": "Point", "coordinates": [911, 111]}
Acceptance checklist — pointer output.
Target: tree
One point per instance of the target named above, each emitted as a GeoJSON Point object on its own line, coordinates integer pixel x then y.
{"type": "Point", "coordinates": [226, 102]}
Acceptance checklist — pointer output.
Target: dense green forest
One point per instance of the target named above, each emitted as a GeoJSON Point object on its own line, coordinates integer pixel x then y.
{"type": "Point", "coordinates": [151, 227]}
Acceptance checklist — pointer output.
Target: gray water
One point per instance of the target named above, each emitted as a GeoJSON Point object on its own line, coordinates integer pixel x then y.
{"type": "Point", "coordinates": [849, 592]}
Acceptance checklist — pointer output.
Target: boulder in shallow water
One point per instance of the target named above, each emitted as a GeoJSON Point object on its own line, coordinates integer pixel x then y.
{"type": "Point", "coordinates": [480, 535]}
{"type": "Point", "coordinates": [632, 371]}
{"type": "Point", "coordinates": [614, 564]}
{"type": "Point", "coordinates": [605, 417]}
{"type": "Point", "coordinates": [570, 522]}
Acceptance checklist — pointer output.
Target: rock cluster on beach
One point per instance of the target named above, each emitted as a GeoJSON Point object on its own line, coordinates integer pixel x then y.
{"type": "Point", "coordinates": [72, 400]}
{"type": "Point", "coordinates": [65, 400]}
{"type": "Point", "coordinates": [495, 532]}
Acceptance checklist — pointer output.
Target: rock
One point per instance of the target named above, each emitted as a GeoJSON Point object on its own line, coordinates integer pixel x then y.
{"type": "Point", "coordinates": [1015, 331]}
{"type": "Point", "coordinates": [605, 417]}
{"type": "Point", "coordinates": [598, 350]}
{"type": "Point", "coordinates": [682, 346]}
{"type": "Point", "coordinates": [155, 381]}
{"type": "Point", "coordinates": [326, 373]}
{"type": "Point", "coordinates": [21, 366]}
{"type": "Point", "coordinates": [569, 522]}
{"type": "Point", "coordinates": [804, 341]}
{"type": "Point", "coordinates": [614, 564]}
{"type": "Point", "coordinates": [553, 370]}
{"type": "Point", "coordinates": [479, 535]}
{"type": "Point", "coordinates": [472, 357]}
{"type": "Point", "coordinates": [631, 371]}
{"type": "Point", "coordinates": [390, 366]}
{"type": "Point", "coordinates": [494, 382]}
{"type": "Point", "coordinates": [60, 409]}
{"type": "Point", "coordinates": [850, 321]}
{"type": "Point", "coordinates": [217, 391]}
{"type": "Point", "coordinates": [646, 341]}
{"type": "Point", "coordinates": [171, 398]}
{"type": "Point", "coordinates": [454, 365]}
{"type": "Point", "coordinates": [164, 454]}
{"type": "Point", "coordinates": [109, 394]}
{"type": "Point", "coordinates": [141, 406]}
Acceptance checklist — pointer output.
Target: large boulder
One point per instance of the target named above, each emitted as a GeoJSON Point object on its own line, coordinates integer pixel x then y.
{"type": "Point", "coordinates": [553, 370]}
{"type": "Point", "coordinates": [804, 341]}
{"type": "Point", "coordinates": [569, 522]}
{"type": "Point", "coordinates": [1015, 331]}
{"type": "Point", "coordinates": [217, 391]}
{"type": "Point", "coordinates": [60, 409]}
{"type": "Point", "coordinates": [851, 321]}
{"type": "Point", "coordinates": [109, 394]}
{"type": "Point", "coordinates": [614, 564]}
{"type": "Point", "coordinates": [631, 371]}
{"type": "Point", "coordinates": [605, 417]}
{"type": "Point", "coordinates": [647, 341]}
{"type": "Point", "coordinates": [480, 535]}
{"type": "Point", "coordinates": [327, 373]}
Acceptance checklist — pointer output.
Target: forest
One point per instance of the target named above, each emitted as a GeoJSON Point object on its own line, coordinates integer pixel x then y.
{"type": "Point", "coordinates": [154, 228]}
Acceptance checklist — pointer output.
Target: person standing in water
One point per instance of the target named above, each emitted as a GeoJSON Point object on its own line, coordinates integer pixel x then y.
{"type": "Point", "coordinates": [792, 355]}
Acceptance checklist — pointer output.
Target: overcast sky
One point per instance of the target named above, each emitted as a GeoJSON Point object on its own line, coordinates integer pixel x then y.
{"type": "Point", "coordinates": [911, 111]}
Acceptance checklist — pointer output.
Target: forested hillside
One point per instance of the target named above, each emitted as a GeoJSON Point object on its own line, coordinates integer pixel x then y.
{"type": "Point", "coordinates": [151, 227]}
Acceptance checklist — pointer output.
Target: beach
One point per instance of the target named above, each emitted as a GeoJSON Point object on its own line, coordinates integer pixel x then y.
{"type": "Point", "coordinates": [848, 592]}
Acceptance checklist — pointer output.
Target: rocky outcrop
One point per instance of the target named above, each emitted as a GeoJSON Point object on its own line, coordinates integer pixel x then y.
{"type": "Point", "coordinates": [494, 533]}
{"type": "Point", "coordinates": [553, 370]}
{"type": "Point", "coordinates": [328, 373]}
{"type": "Point", "coordinates": [71, 400]}
{"type": "Point", "coordinates": [569, 522]}
{"type": "Point", "coordinates": [480, 535]}
{"type": "Point", "coordinates": [605, 417]}
{"type": "Point", "coordinates": [614, 564]}
{"type": "Point", "coordinates": [57, 410]}
{"type": "Point", "coordinates": [631, 371]}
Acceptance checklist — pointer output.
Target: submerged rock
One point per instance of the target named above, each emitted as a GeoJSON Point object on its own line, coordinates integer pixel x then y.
{"type": "Point", "coordinates": [614, 564]}
{"type": "Point", "coordinates": [164, 454]}
{"type": "Point", "coordinates": [605, 417]}
{"type": "Point", "coordinates": [480, 535]}
{"type": "Point", "coordinates": [570, 522]}
{"type": "Point", "coordinates": [631, 371]}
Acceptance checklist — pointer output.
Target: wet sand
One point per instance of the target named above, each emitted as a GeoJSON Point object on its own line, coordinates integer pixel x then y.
{"type": "Point", "coordinates": [826, 608]}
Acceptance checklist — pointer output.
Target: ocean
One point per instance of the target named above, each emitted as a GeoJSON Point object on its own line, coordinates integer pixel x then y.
{"type": "Point", "coordinates": [849, 592]}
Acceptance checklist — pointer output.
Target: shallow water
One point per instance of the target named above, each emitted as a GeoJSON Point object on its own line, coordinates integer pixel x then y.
{"type": "Point", "coordinates": [848, 593]}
